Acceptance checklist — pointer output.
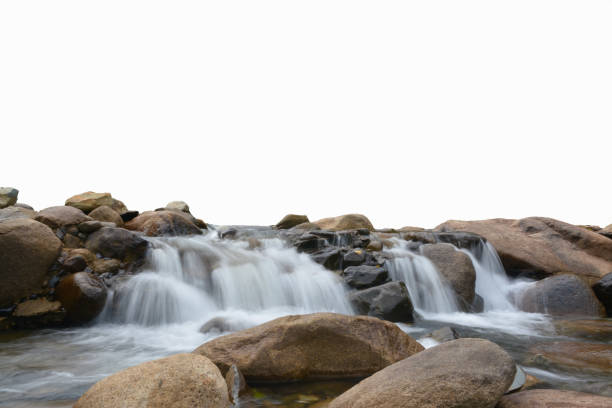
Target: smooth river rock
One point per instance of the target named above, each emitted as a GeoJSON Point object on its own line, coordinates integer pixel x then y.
{"type": "Point", "coordinates": [27, 250]}
{"type": "Point", "coordinates": [164, 223]}
{"type": "Point", "coordinates": [106, 214]}
{"type": "Point", "coordinates": [472, 373]}
{"type": "Point", "coordinates": [365, 276]}
{"type": "Point", "coordinates": [595, 358]}
{"type": "Point", "coordinates": [554, 399]}
{"type": "Point", "coordinates": [117, 243]}
{"type": "Point", "coordinates": [345, 222]}
{"type": "Point", "coordinates": [89, 201]}
{"type": "Point", "coordinates": [318, 346]}
{"type": "Point", "coordinates": [179, 381]}
{"type": "Point", "coordinates": [390, 301]}
{"type": "Point", "coordinates": [16, 212]}
{"type": "Point", "coordinates": [83, 296]}
{"type": "Point", "coordinates": [291, 220]}
{"type": "Point", "coordinates": [61, 216]}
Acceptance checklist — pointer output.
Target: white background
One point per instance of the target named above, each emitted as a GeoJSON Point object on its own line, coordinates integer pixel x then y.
{"type": "Point", "coordinates": [409, 112]}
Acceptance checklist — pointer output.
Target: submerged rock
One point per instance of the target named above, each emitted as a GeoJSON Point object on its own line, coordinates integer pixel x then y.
{"type": "Point", "coordinates": [292, 220]}
{"type": "Point", "coordinates": [593, 358]}
{"type": "Point", "coordinates": [345, 222]}
{"type": "Point", "coordinates": [471, 373]}
{"type": "Point", "coordinates": [82, 295]}
{"type": "Point", "coordinates": [164, 223]}
{"type": "Point", "coordinates": [389, 301]}
{"type": "Point", "coordinates": [554, 398]}
{"type": "Point", "coordinates": [8, 196]}
{"type": "Point", "coordinates": [317, 346]}
{"type": "Point", "coordinates": [179, 381]}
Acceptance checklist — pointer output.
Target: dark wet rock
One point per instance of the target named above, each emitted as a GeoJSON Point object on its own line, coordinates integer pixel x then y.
{"type": "Point", "coordinates": [82, 295]}
{"type": "Point", "coordinates": [320, 346]}
{"type": "Point", "coordinates": [554, 398]}
{"type": "Point", "coordinates": [456, 267]}
{"type": "Point", "coordinates": [236, 383]}
{"type": "Point", "coordinates": [292, 220]}
{"type": "Point", "coordinates": [117, 243]}
{"type": "Point", "coordinates": [561, 295]}
{"type": "Point", "coordinates": [330, 258]}
{"type": "Point", "coordinates": [27, 250]}
{"type": "Point", "coordinates": [61, 216]}
{"type": "Point", "coordinates": [106, 214]}
{"type": "Point", "coordinates": [595, 358]}
{"type": "Point", "coordinates": [164, 223]}
{"type": "Point", "coordinates": [354, 257]}
{"type": "Point", "coordinates": [345, 222]}
{"type": "Point", "coordinates": [179, 381]}
{"type": "Point", "coordinates": [89, 201]}
{"type": "Point", "coordinates": [477, 305]}
{"type": "Point", "coordinates": [8, 196]}
{"type": "Point", "coordinates": [16, 212]}
{"type": "Point", "coordinates": [603, 291]}
{"type": "Point", "coordinates": [365, 276]}
{"type": "Point", "coordinates": [389, 301]}
{"type": "Point", "coordinates": [38, 313]}
{"type": "Point", "coordinates": [471, 373]}
{"type": "Point", "coordinates": [74, 263]}
{"type": "Point", "coordinates": [129, 215]}
{"type": "Point", "coordinates": [310, 243]}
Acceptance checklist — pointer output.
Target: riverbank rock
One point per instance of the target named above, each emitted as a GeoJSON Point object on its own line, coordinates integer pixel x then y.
{"type": "Point", "coordinates": [345, 222]}
{"type": "Point", "coordinates": [457, 269]}
{"type": "Point", "coordinates": [61, 216]}
{"type": "Point", "coordinates": [16, 212]}
{"type": "Point", "coordinates": [117, 243]}
{"type": "Point", "coordinates": [292, 220]}
{"type": "Point", "coordinates": [561, 295]}
{"type": "Point", "coordinates": [27, 250]}
{"type": "Point", "coordinates": [461, 373]}
{"type": "Point", "coordinates": [166, 223]}
{"type": "Point", "coordinates": [365, 276]}
{"type": "Point", "coordinates": [603, 291]}
{"type": "Point", "coordinates": [179, 381]}
{"type": "Point", "coordinates": [89, 201]}
{"type": "Point", "coordinates": [389, 301]}
{"type": "Point", "coordinates": [539, 247]}
{"type": "Point", "coordinates": [593, 358]}
{"type": "Point", "coordinates": [317, 346]}
{"type": "Point", "coordinates": [554, 398]}
{"type": "Point", "coordinates": [82, 295]}
{"type": "Point", "coordinates": [8, 196]}
{"type": "Point", "coordinates": [37, 313]}
{"type": "Point", "coordinates": [106, 214]}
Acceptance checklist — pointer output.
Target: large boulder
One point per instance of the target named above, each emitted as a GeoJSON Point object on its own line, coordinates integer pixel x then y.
{"type": "Point", "coordinates": [554, 398]}
{"type": "Point", "coordinates": [27, 250]}
{"type": "Point", "coordinates": [365, 276]}
{"type": "Point", "coordinates": [106, 214]}
{"type": "Point", "coordinates": [541, 247]}
{"type": "Point", "coordinates": [576, 356]}
{"type": "Point", "coordinates": [179, 381]}
{"type": "Point", "coordinates": [89, 201]}
{"type": "Point", "coordinates": [16, 212]}
{"type": "Point", "coordinates": [389, 301]}
{"type": "Point", "coordinates": [345, 222]}
{"type": "Point", "coordinates": [83, 296]}
{"type": "Point", "coordinates": [178, 206]}
{"type": "Point", "coordinates": [456, 267]}
{"type": "Point", "coordinates": [168, 223]}
{"type": "Point", "coordinates": [291, 220]}
{"type": "Point", "coordinates": [61, 216]}
{"type": "Point", "coordinates": [471, 373]}
{"type": "Point", "coordinates": [561, 295]}
{"type": "Point", "coordinates": [8, 196]}
{"type": "Point", "coordinates": [117, 243]}
{"type": "Point", "coordinates": [318, 346]}
{"type": "Point", "coordinates": [603, 291]}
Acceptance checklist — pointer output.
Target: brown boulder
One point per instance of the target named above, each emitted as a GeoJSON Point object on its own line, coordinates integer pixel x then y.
{"type": "Point", "coordinates": [554, 399]}
{"type": "Point", "coordinates": [117, 243]}
{"type": "Point", "coordinates": [456, 267]}
{"type": "Point", "coordinates": [311, 347]}
{"type": "Point", "coordinates": [82, 295]}
{"type": "Point", "coordinates": [471, 373]}
{"type": "Point", "coordinates": [27, 250]}
{"type": "Point", "coordinates": [61, 216]}
{"type": "Point", "coordinates": [106, 214]}
{"type": "Point", "coordinates": [345, 222]}
{"type": "Point", "coordinates": [600, 329]}
{"type": "Point", "coordinates": [178, 206]}
{"type": "Point", "coordinates": [37, 313]}
{"type": "Point", "coordinates": [118, 207]}
{"type": "Point", "coordinates": [89, 201]}
{"type": "Point", "coordinates": [593, 358]}
{"type": "Point", "coordinates": [179, 381]}
{"type": "Point", "coordinates": [540, 246]}
{"type": "Point", "coordinates": [561, 295]}
{"type": "Point", "coordinates": [169, 223]}
{"type": "Point", "coordinates": [291, 220]}
{"type": "Point", "coordinates": [16, 212]}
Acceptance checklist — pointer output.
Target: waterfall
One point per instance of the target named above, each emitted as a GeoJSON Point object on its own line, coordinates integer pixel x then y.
{"type": "Point", "coordinates": [198, 278]}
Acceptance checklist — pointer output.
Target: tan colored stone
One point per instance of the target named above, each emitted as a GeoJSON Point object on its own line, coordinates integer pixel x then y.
{"type": "Point", "coordinates": [89, 201]}
{"type": "Point", "coordinates": [168, 223]}
{"type": "Point", "coordinates": [572, 356]}
{"type": "Point", "coordinates": [106, 214]}
{"type": "Point", "coordinates": [554, 399]}
{"type": "Point", "coordinates": [345, 222]}
{"type": "Point", "coordinates": [61, 216]}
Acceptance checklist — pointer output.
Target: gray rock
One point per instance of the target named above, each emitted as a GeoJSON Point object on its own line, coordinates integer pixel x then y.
{"type": "Point", "coordinates": [16, 212]}
{"type": "Point", "coordinates": [365, 276]}
{"type": "Point", "coordinates": [8, 196]}
{"type": "Point", "coordinates": [61, 216]}
{"type": "Point", "coordinates": [389, 301]}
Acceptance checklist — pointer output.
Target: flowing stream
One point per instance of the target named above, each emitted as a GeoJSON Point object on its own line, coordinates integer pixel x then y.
{"type": "Point", "coordinates": [228, 285]}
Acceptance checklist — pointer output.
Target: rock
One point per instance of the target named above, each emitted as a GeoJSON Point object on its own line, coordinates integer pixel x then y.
{"type": "Point", "coordinates": [16, 212]}
{"type": "Point", "coordinates": [595, 358]}
{"type": "Point", "coordinates": [84, 253]}
{"type": "Point", "coordinates": [375, 246]}
{"type": "Point", "coordinates": [471, 373]}
{"type": "Point", "coordinates": [220, 325]}
{"type": "Point", "coordinates": [23, 205]}
{"type": "Point", "coordinates": [456, 267]}
{"type": "Point", "coordinates": [365, 276]}
{"type": "Point", "coordinates": [27, 250]}
{"type": "Point", "coordinates": [82, 295]}
{"type": "Point", "coordinates": [8, 196]}
{"type": "Point", "coordinates": [307, 226]}
{"type": "Point", "coordinates": [320, 346]}
{"type": "Point", "coordinates": [330, 258]}
{"type": "Point", "coordinates": [72, 241]}
{"type": "Point", "coordinates": [91, 226]}
{"type": "Point", "coordinates": [119, 207]}
{"type": "Point", "coordinates": [38, 313]}
{"type": "Point", "coordinates": [236, 384]}
{"type": "Point", "coordinates": [354, 257]}
{"type": "Point", "coordinates": [292, 220]}
{"type": "Point", "coordinates": [74, 263]}
{"type": "Point", "coordinates": [345, 222]}
{"type": "Point", "coordinates": [117, 243]}
{"type": "Point", "coordinates": [561, 295]}
{"type": "Point", "coordinates": [129, 215]}
{"type": "Point", "coordinates": [5, 324]}
{"type": "Point", "coordinates": [106, 214]}
{"type": "Point", "coordinates": [104, 266]}
{"type": "Point", "coordinates": [540, 247]}
{"type": "Point", "coordinates": [178, 206]}
{"type": "Point", "coordinates": [178, 381]}
{"type": "Point", "coordinates": [603, 291]}
{"type": "Point", "coordinates": [444, 334]}
{"type": "Point", "coordinates": [89, 201]}
{"type": "Point", "coordinates": [554, 398]}
{"type": "Point", "coordinates": [158, 223]}
{"type": "Point", "coordinates": [600, 329]}
{"type": "Point", "coordinates": [61, 216]}
{"type": "Point", "coordinates": [606, 232]}
{"type": "Point", "coordinates": [389, 301]}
